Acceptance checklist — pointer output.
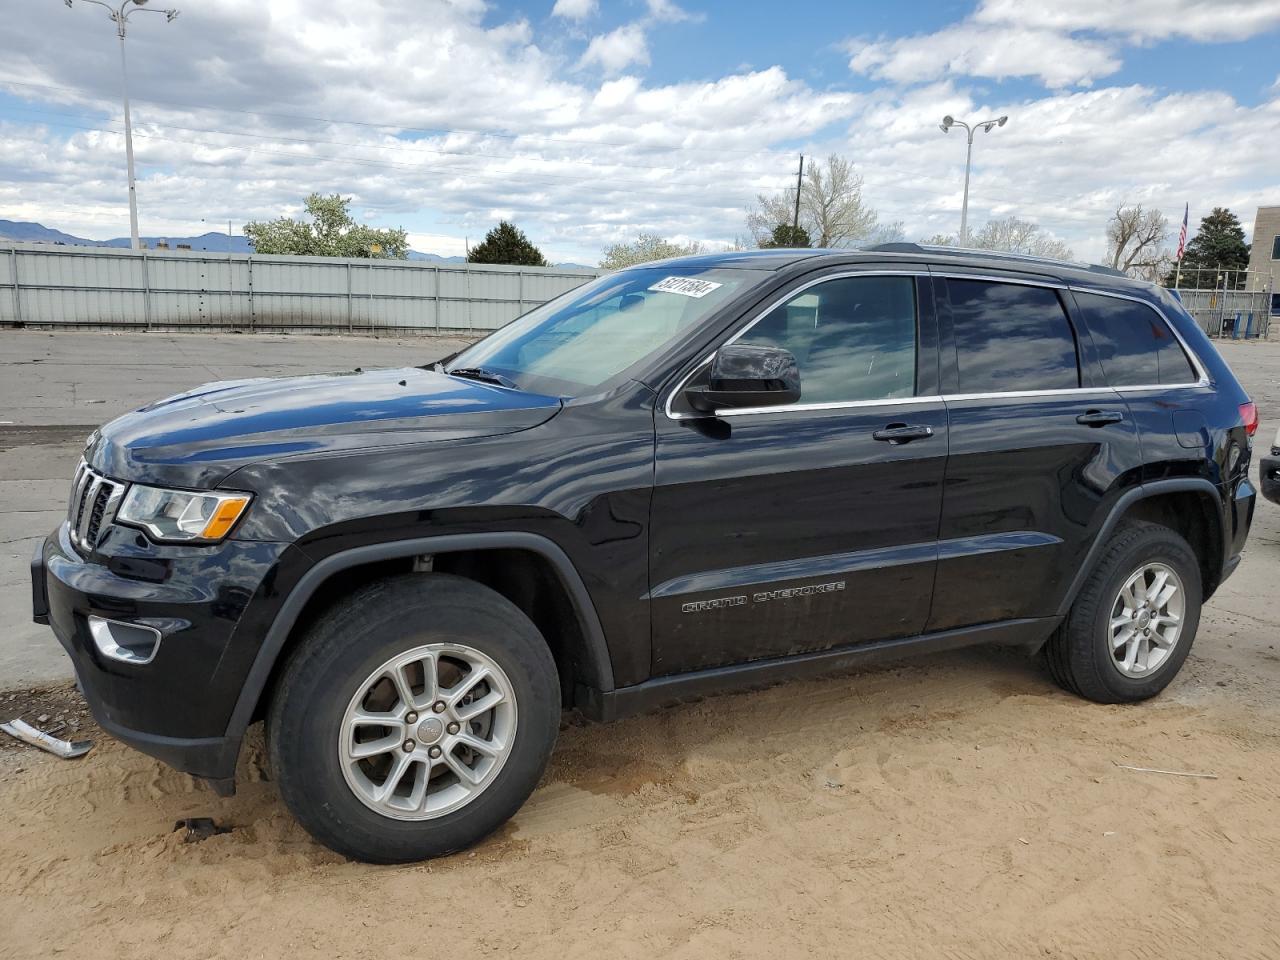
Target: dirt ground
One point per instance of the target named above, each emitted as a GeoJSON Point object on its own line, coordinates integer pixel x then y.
{"type": "Point", "coordinates": [954, 807]}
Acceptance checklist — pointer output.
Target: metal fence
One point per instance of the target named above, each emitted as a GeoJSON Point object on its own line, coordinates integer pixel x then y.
{"type": "Point", "coordinates": [1228, 303]}
{"type": "Point", "coordinates": [64, 286]}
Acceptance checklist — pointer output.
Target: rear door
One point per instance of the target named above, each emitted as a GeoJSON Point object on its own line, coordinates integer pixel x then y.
{"type": "Point", "coordinates": [1040, 449]}
{"type": "Point", "coordinates": [791, 529]}
{"type": "Point", "coordinates": [1143, 359]}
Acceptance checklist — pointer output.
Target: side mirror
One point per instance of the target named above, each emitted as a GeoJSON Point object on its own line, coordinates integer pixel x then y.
{"type": "Point", "coordinates": [743, 376]}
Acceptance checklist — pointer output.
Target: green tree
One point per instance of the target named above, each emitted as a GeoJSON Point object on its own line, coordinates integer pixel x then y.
{"type": "Point", "coordinates": [331, 232]}
{"type": "Point", "coordinates": [506, 243]}
{"type": "Point", "coordinates": [1217, 247]}
{"type": "Point", "coordinates": [785, 235]}
{"type": "Point", "coordinates": [645, 248]}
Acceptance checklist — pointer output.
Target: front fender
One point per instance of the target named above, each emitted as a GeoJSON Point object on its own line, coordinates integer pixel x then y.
{"type": "Point", "coordinates": [599, 678]}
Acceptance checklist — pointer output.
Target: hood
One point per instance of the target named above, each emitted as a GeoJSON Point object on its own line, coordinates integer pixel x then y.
{"type": "Point", "coordinates": [195, 439]}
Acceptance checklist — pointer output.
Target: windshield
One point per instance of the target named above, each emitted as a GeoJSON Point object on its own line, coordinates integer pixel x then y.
{"type": "Point", "coordinates": [578, 341]}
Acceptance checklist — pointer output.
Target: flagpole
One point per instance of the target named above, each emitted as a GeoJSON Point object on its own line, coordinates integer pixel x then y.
{"type": "Point", "coordinates": [1182, 246]}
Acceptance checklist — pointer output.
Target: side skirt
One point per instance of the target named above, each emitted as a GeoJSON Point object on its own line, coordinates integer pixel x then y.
{"type": "Point", "coordinates": [666, 691]}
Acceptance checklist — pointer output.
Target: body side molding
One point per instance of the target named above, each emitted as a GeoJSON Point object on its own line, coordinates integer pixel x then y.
{"type": "Point", "coordinates": [1147, 490]}
{"type": "Point", "coordinates": [256, 680]}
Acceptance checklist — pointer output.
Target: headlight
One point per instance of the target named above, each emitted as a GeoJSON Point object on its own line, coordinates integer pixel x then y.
{"type": "Point", "coordinates": [182, 515]}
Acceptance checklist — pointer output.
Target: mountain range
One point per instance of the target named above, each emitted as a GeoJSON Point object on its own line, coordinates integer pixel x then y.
{"type": "Point", "coordinates": [214, 242]}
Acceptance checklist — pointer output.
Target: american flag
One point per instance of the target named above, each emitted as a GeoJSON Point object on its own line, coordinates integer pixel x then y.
{"type": "Point", "coordinates": [1182, 234]}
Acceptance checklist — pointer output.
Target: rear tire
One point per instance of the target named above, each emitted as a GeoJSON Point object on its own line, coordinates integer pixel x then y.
{"type": "Point", "coordinates": [412, 650]}
{"type": "Point", "coordinates": [1134, 620]}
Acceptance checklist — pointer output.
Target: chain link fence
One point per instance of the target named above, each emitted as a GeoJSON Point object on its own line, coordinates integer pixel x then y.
{"type": "Point", "coordinates": [1228, 303]}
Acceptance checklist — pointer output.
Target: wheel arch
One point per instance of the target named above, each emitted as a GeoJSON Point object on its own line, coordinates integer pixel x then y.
{"type": "Point", "coordinates": [595, 660]}
{"type": "Point", "coordinates": [1159, 502]}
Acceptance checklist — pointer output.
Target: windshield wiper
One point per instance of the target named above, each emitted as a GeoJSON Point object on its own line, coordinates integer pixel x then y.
{"type": "Point", "coordinates": [483, 375]}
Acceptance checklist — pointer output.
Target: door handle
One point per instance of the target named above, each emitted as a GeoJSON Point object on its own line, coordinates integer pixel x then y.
{"type": "Point", "coordinates": [903, 433]}
{"type": "Point", "coordinates": [1099, 418]}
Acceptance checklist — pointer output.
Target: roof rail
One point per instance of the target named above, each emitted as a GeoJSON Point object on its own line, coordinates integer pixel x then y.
{"type": "Point", "coordinates": [950, 251]}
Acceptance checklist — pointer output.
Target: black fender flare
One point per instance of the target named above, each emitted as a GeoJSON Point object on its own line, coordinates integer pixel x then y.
{"type": "Point", "coordinates": [1130, 497]}
{"type": "Point", "coordinates": [272, 644]}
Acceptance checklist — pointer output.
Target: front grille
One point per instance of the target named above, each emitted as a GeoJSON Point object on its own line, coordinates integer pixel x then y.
{"type": "Point", "coordinates": [94, 500]}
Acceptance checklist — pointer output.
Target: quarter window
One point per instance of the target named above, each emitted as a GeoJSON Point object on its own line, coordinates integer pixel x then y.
{"type": "Point", "coordinates": [1134, 344]}
{"type": "Point", "coordinates": [854, 338]}
{"type": "Point", "coordinates": [1011, 337]}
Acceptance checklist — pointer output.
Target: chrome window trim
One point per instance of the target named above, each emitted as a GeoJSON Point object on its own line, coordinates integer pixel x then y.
{"type": "Point", "coordinates": [1203, 380]}
{"type": "Point", "coordinates": [991, 278]}
{"type": "Point", "coordinates": [832, 405]}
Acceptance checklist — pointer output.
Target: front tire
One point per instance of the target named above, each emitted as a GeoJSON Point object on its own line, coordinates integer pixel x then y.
{"type": "Point", "coordinates": [1134, 620]}
{"type": "Point", "coordinates": [414, 718]}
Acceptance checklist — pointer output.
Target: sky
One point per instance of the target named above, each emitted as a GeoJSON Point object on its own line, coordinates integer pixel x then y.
{"type": "Point", "coordinates": [590, 121]}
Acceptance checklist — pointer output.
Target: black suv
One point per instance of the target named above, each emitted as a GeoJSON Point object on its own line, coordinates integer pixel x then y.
{"type": "Point", "coordinates": [677, 479]}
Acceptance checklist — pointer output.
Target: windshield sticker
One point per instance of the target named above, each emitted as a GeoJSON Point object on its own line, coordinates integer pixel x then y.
{"type": "Point", "coordinates": [686, 286]}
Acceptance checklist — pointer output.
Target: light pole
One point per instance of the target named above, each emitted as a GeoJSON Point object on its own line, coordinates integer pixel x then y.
{"type": "Point", "coordinates": [985, 126]}
{"type": "Point", "coordinates": [120, 17]}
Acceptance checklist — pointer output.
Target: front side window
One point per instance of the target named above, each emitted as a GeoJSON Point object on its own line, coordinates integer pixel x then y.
{"type": "Point", "coordinates": [1134, 344]}
{"type": "Point", "coordinates": [1011, 338]}
{"type": "Point", "coordinates": [854, 338]}
{"type": "Point", "coordinates": [589, 335]}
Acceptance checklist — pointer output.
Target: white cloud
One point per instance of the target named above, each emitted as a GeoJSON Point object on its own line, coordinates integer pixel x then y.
{"type": "Point", "coordinates": [574, 9]}
{"type": "Point", "coordinates": [984, 50]}
{"type": "Point", "coordinates": [1061, 44]}
{"type": "Point", "coordinates": [1219, 20]}
{"type": "Point", "coordinates": [580, 161]}
{"type": "Point", "coordinates": [613, 52]}
{"type": "Point", "coordinates": [668, 12]}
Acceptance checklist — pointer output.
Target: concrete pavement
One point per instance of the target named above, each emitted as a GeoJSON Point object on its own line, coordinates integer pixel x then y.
{"type": "Point", "coordinates": [56, 387]}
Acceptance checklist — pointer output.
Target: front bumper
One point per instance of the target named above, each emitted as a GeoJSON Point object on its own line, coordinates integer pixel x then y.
{"type": "Point", "coordinates": [1269, 470]}
{"type": "Point", "coordinates": [211, 606]}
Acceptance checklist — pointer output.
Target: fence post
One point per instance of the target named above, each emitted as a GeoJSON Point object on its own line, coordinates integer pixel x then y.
{"type": "Point", "coordinates": [435, 296]}
{"type": "Point", "coordinates": [17, 296]}
{"type": "Point", "coordinates": [520, 293]}
{"type": "Point", "coordinates": [146, 291]}
{"type": "Point", "coordinates": [253, 317]}
{"type": "Point", "coordinates": [349, 319]}
{"type": "Point", "coordinates": [471, 323]}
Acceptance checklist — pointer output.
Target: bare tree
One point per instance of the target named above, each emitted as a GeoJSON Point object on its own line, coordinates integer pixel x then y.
{"type": "Point", "coordinates": [832, 210]}
{"type": "Point", "coordinates": [1020, 236]}
{"type": "Point", "coordinates": [1135, 238]}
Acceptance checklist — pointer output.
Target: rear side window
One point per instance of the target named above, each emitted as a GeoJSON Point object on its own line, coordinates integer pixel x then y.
{"type": "Point", "coordinates": [1134, 344]}
{"type": "Point", "coordinates": [1011, 337]}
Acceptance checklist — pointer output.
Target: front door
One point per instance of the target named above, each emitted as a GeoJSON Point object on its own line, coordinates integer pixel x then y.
{"type": "Point", "coordinates": [793, 529]}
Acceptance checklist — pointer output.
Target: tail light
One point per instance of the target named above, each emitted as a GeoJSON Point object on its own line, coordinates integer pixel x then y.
{"type": "Point", "coordinates": [1249, 414]}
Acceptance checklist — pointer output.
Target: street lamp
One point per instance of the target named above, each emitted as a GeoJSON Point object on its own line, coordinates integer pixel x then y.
{"type": "Point", "coordinates": [985, 126]}
{"type": "Point", "coordinates": [120, 17]}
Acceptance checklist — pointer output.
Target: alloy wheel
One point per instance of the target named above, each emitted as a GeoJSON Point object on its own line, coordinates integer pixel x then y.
{"type": "Point", "coordinates": [428, 731]}
{"type": "Point", "coordinates": [1146, 619]}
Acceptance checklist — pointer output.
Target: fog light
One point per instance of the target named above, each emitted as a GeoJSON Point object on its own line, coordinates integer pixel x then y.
{"type": "Point", "coordinates": [127, 642]}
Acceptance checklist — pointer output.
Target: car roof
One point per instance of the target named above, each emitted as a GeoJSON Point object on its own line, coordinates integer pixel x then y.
{"type": "Point", "coordinates": [996, 261]}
